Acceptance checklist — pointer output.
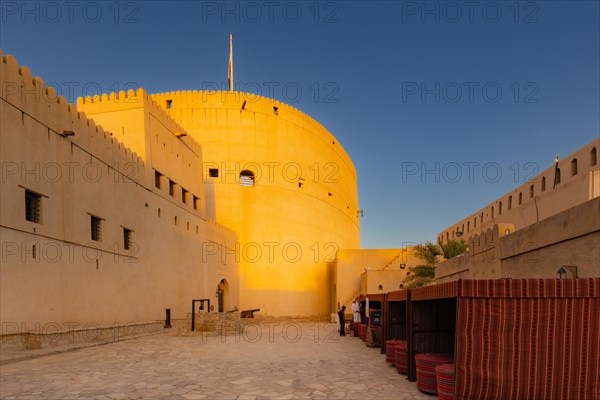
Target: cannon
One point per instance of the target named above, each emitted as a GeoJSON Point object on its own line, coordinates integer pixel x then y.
{"type": "Point", "coordinates": [249, 313]}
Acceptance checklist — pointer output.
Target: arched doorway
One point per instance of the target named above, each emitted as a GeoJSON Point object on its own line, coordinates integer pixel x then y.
{"type": "Point", "coordinates": [223, 295]}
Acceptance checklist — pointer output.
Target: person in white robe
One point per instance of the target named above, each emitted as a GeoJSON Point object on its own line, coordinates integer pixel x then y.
{"type": "Point", "coordinates": [356, 311]}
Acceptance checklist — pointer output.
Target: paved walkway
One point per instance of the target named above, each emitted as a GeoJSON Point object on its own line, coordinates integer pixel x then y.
{"type": "Point", "coordinates": [291, 360]}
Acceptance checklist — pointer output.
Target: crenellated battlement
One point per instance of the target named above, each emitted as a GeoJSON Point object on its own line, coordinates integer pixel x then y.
{"type": "Point", "coordinates": [253, 110]}
{"type": "Point", "coordinates": [30, 96]}
{"type": "Point", "coordinates": [234, 100]}
{"type": "Point", "coordinates": [571, 181]}
{"type": "Point", "coordinates": [131, 100]}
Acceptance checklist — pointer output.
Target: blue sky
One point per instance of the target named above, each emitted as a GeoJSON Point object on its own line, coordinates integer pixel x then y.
{"type": "Point", "coordinates": [405, 86]}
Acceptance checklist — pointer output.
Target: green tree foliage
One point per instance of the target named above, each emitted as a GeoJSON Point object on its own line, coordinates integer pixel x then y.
{"type": "Point", "coordinates": [427, 252]}
{"type": "Point", "coordinates": [423, 274]}
{"type": "Point", "coordinates": [454, 248]}
{"type": "Point", "coordinates": [419, 275]}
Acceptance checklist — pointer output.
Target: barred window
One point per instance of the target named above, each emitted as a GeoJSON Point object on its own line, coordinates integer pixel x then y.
{"type": "Point", "coordinates": [33, 206]}
{"type": "Point", "coordinates": [127, 238]}
{"type": "Point", "coordinates": [96, 228]}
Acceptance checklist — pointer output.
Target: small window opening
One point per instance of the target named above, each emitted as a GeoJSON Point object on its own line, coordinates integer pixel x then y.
{"type": "Point", "coordinates": [531, 190]}
{"type": "Point", "coordinates": [33, 207]}
{"type": "Point", "coordinates": [574, 167]}
{"type": "Point", "coordinates": [543, 184]}
{"type": "Point", "coordinates": [509, 202]}
{"type": "Point", "coordinates": [171, 188]}
{"type": "Point", "coordinates": [246, 178]}
{"type": "Point", "coordinates": [184, 194]}
{"type": "Point", "coordinates": [169, 104]}
{"type": "Point", "coordinates": [213, 172]}
{"type": "Point", "coordinates": [196, 202]}
{"type": "Point", "coordinates": [127, 238]}
{"type": "Point", "coordinates": [593, 157]}
{"type": "Point", "coordinates": [557, 176]}
{"type": "Point", "coordinates": [157, 179]}
{"type": "Point", "coordinates": [520, 198]}
{"type": "Point", "coordinates": [96, 228]}
{"type": "Point", "coordinates": [276, 110]}
{"type": "Point", "coordinates": [380, 287]}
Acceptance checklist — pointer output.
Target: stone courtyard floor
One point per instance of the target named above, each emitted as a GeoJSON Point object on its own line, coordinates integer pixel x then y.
{"type": "Point", "coordinates": [271, 360]}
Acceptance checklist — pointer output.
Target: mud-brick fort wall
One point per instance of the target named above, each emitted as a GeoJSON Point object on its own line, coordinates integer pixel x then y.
{"type": "Point", "coordinates": [549, 222]}
{"type": "Point", "coordinates": [87, 236]}
{"type": "Point", "coordinates": [574, 180]}
{"type": "Point", "coordinates": [284, 184]}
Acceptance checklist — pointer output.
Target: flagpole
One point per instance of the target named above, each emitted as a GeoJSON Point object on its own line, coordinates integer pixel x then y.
{"type": "Point", "coordinates": [230, 70]}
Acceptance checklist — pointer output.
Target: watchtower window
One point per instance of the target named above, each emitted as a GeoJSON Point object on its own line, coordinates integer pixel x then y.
{"type": "Point", "coordinates": [33, 206]}
{"type": "Point", "coordinates": [184, 194]}
{"type": "Point", "coordinates": [169, 104]}
{"type": "Point", "coordinates": [574, 167]}
{"type": "Point", "coordinates": [127, 238]}
{"type": "Point", "coordinates": [157, 179]}
{"type": "Point", "coordinates": [543, 184]}
{"type": "Point", "coordinates": [171, 188]}
{"type": "Point", "coordinates": [96, 228]}
{"type": "Point", "coordinates": [246, 178]}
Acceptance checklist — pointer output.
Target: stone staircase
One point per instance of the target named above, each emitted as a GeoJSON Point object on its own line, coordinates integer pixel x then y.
{"type": "Point", "coordinates": [349, 300]}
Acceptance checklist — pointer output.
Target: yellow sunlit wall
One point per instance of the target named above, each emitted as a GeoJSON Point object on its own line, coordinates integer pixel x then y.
{"type": "Point", "coordinates": [55, 274]}
{"type": "Point", "coordinates": [301, 208]}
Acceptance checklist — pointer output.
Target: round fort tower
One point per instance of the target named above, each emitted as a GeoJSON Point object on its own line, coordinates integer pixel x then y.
{"type": "Point", "coordinates": [284, 184]}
